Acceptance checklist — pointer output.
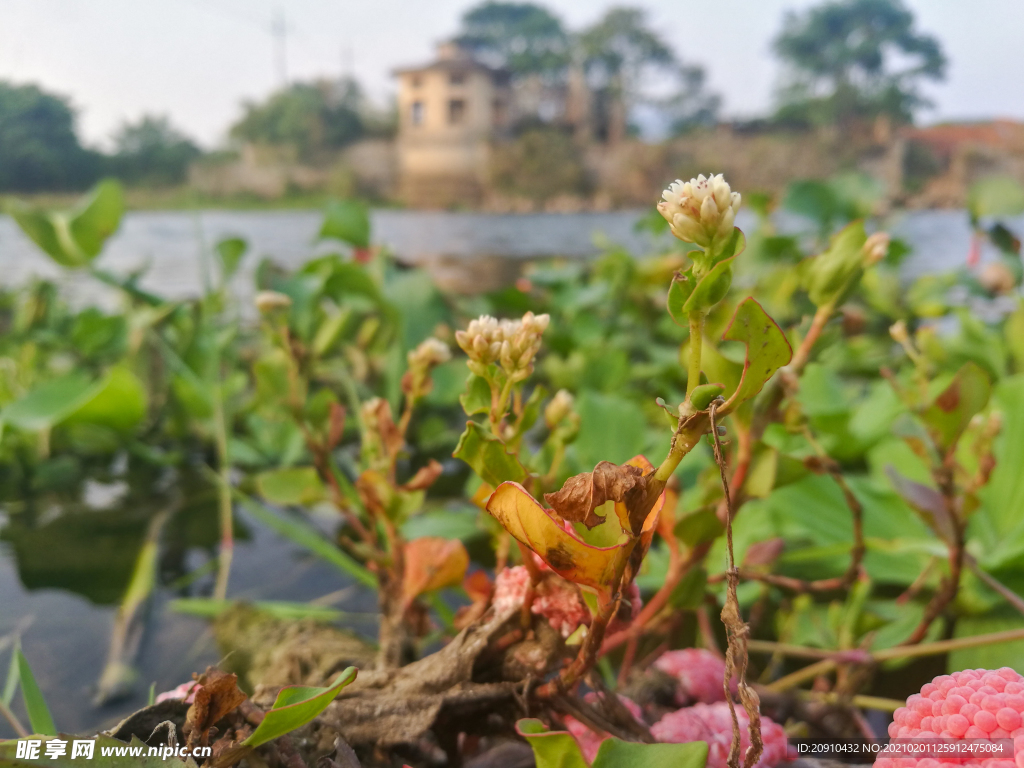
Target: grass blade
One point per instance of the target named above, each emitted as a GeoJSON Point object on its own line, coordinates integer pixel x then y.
{"type": "Point", "coordinates": [39, 716]}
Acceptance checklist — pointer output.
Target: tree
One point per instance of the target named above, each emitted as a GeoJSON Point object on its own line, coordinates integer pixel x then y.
{"type": "Point", "coordinates": [312, 117]}
{"type": "Point", "coordinates": [622, 56]}
{"type": "Point", "coordinates": [524, 38]}
{"type": "Point", "coordinates": [152, 152]}
{"type": "Point", "coordinates": [855, 59]}
{"type": "Point", "coordinates": [39, 149]}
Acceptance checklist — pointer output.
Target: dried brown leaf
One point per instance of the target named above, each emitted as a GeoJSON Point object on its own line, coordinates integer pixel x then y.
{"type": "Point", "coordinates": [424, 477]}
{"type": "Point", "coordinates": [218, 696]}
{"type": "Point", "coordinates": [584, 493]}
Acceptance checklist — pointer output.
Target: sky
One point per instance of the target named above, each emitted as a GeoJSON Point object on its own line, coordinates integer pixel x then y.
{"type": "Point", "coordinates": [199, 60]}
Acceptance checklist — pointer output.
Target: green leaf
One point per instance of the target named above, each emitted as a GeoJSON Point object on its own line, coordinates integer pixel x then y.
{"type": "Point", "coordinates": [830, 275]}
{"type": "Point", "coordinates": [615, 753]}
{"type": "Point", "coordinates": [347, 220]}
{"type": "Point", "coordinates": [39, 716]}
{"type": "Point", "coordinates": [678, 294]}
{"type": "Point", "coordinates": [950, 413]}
{"type": "Point", "coordinates": [699, 527]}
{"type": "Point", "coordinates": [767, 350]}
{"type": "Point", "coordinates": [119, 403]}
{"type": "Point", "coordinates": [297, 705]}
{"type": "Point", "coordinates": [211, 608]}
{"type": "Point", "coordinates": [231, 250]}
{"type": "Point", "coordinates": [987, 656]}
{"type": "Point", "coordinates": [689, 592]}
{"type": "Point", "coordinates": [477, 397]}
{"type": "Point", "coordinates": [612, 428]}
{"type": "Point", "coordinates": [293, 486]}
{"type": "Point", "coordinates": [50, 402]}
{"type": "Point", "coordinates": [74, 238]}
{"type": "Point", "coordinates": [711, 289]}
{"type": "Point", "coordinates": [309, 538]}
{"type": "Point", "coordinates": [551, 749]}
{"type": "Point", "coordinates": [487, 456]}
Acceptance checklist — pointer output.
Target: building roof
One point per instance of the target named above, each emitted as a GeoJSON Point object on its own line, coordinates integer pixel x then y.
{"type": "Point", "coordinates": [452, 58]}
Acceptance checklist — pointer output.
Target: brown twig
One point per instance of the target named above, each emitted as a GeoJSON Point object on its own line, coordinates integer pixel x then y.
{"type": "Point", "coordinates": [1008, 594]}
{"type": "Point", "coordinates": [736, 631]}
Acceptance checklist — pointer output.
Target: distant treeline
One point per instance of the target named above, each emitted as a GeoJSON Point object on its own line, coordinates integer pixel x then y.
{"type": "Point", "coordinates": [846, 62]}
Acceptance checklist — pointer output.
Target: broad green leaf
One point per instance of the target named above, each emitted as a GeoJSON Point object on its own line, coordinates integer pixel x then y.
{"type": "Point", "coordinates": [699, 527]}
{"type": "Point", "coordinates": [615, 753]}
{"type": "Point", "coordinates": [995, 196]}
{"type": "Point", "coordinates": [50, 403]}
{"type": "Point", "coordinates": [830, 275]}
{"type": "Point", "coordinates": [767, 350]}
{"type": "Point", "coordinates": [74, 238]}
{"type": "Point", "coordinates": [950, 413]}
{"type": "Point", "coordinates": [612, 428]}
{"type": "Point", "coordinates": [477, 397]}
{"type": "Point", "coordinates": [568, 555]}
{"type": "Point", "coordinates": [689, 592]}
{"type": "Point", "coordinates": [993, 656]}
{"type": "Point", "coordinates": [309, 538]}
{"type": "Point", "coordinates": [296, 486]}
{"type": "Point", "coordinates": [119, 402]}
{"type": "Point", "coordinates": [39, 716]}
{"type": "Point", "coordinates": [487, 456]}
{"type": "Point", "coordinates": [231, 250]}
{"type": "Point", "coordinates": [551, 749]}
{"type": "Point", "coordinates": [295, 706]}
{"type": "Point", "coordinates": [348, 221]}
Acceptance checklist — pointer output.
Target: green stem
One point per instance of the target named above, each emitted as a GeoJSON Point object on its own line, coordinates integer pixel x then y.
{"type": "Point", "coordinates": [696, 340]}
{"type": "Point", "coordinates": [227, 537]}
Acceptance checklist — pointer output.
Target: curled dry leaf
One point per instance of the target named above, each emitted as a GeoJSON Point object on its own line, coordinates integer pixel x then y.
{"type": "Point", "coordinates": [217, 696]}
{"type": "Point", "coordinates": [424, 477]}
{"type": "Point", "coordinates": [559, 546]}
{"type": "Point", "coordinates": [583, 494]}
{"type": "Point", "coordinates": [432, 563]}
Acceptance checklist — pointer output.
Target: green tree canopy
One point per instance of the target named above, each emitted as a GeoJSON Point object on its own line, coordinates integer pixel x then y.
{"type": "Point", "coordinates": [39, 149]}
{"type": "Point", "coordinates": [524, 38]}
{"type": "Point", "coordinates": [855, 58]}
{"type": "Point", "coordinates": [312, 117]}
{"type": "Point", "coordinates": [152, 152]}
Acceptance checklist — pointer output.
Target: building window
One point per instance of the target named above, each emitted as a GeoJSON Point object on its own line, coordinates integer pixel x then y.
{"type": "Point", "coordinates": [456, 111]}
{"type": "Point", "coordinates": [416, 113]}
{"type": "Point", "coordinates": [456, 78]}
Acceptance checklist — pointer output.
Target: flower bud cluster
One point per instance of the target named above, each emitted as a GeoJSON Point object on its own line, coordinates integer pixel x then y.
{"type": "Point", "coordinates": [511, 343]}
{"type": "Point", "coordinates": [422, 360]}
{"type": "Point", "coordinates": [701, 209]}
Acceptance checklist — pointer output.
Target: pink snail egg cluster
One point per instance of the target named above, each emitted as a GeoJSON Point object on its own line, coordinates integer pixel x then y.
{"type": "Point", "coordinates": [699, 673]}
{"type": "Point", "coordinates": [972, 704]}
{"type": "Point", "coordinates": [713, 723]}
{"type": "Point", "coordinates": [556, 599]}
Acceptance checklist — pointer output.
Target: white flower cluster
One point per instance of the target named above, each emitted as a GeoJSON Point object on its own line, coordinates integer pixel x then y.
{"type": "Point", "coordinates": [701, 209]}
{"type": "Point", "coordinates": [511, 343]}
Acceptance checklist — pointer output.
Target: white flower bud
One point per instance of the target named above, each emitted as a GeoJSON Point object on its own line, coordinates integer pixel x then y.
{"type": "Point", "coordinates": [701, 209]}
{"type": "Point", "coordinates": [875, 248]}
{"type": "Point", "coordinates": [268, 301]}
{"type": "Point", "coordinates": [559, 407]}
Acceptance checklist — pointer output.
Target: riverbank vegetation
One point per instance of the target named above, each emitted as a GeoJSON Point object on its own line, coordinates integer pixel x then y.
{"type": "Point", "coordinates": [758, 454]}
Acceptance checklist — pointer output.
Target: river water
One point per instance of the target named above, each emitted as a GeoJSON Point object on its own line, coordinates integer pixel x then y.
{"type": "Point", "coordinates": [62, 570]}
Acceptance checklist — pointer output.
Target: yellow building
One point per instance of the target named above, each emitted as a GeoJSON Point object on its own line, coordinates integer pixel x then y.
{"type": "Point", "coordinates": [449, 111]}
